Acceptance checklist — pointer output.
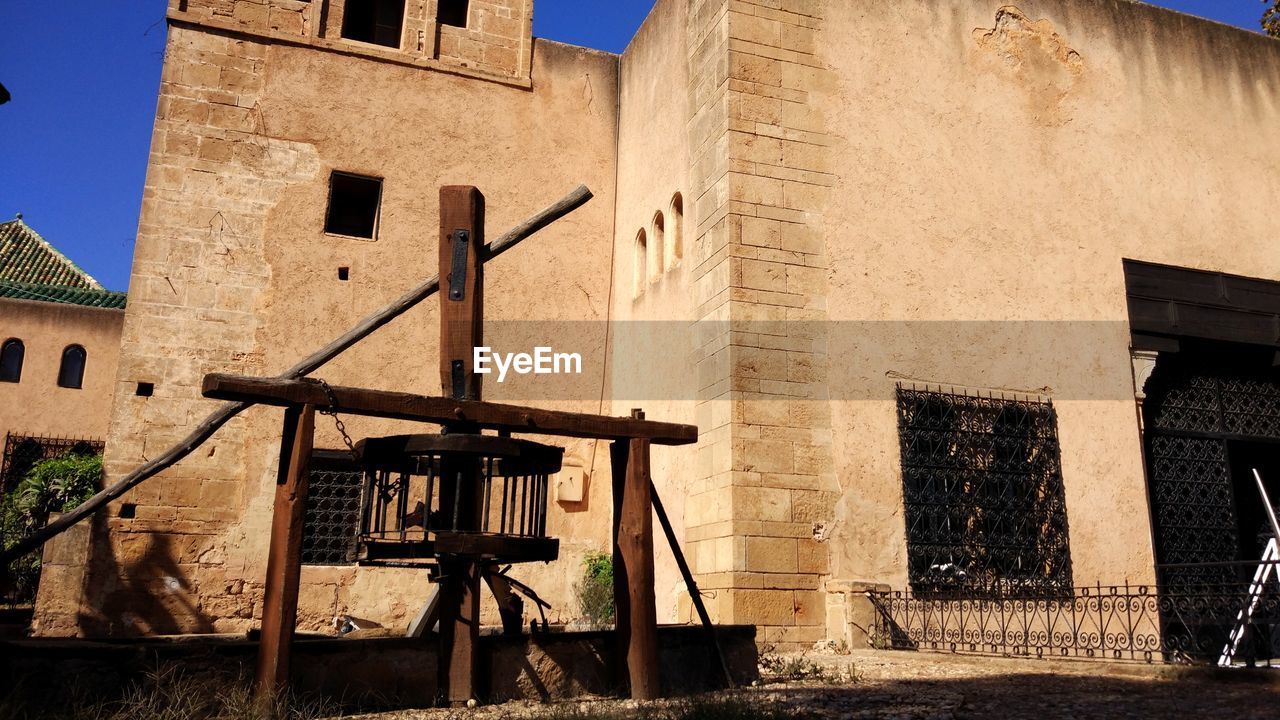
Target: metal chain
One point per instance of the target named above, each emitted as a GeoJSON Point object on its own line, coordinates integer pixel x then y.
{"type": "Point", "coordinates": [333, 413]}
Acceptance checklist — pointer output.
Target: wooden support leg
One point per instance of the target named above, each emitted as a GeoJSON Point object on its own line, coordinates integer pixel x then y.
{"type": "Point", "coordinates": [460, 632]}
{"type": "Point", "coordinates": [633, 593]}
{"type": "Point", "coordinates": [284, 561]}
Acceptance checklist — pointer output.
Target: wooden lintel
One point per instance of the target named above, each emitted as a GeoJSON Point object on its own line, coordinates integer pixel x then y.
{"type": "Point", "coordinates": [438, 410]}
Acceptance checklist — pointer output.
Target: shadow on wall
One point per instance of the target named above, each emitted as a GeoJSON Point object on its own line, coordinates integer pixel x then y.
{"type": "Point", "coordinates": [145, 594]}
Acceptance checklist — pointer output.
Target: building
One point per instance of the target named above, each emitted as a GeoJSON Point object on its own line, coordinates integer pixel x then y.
{"type": "Point", "coordinates": [941, 283]}
{"type": "Point", "coordinates": [61, 338]}
{"type": "Point", "coordinates": [59, 342]}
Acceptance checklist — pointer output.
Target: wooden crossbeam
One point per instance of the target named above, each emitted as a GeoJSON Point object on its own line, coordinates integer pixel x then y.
{"type": "Point", "coordinates": [443, 411]}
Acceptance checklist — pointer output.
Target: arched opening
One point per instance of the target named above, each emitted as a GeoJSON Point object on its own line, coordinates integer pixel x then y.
{"type": "Point", "coordinates": [11, 356]}
{"type": "Point", "coordinates": [675, 245]}
{"type": "Point", "coordinates": [659, 242]}
{"type": "Point", "coordinates": [640, 274]}
{"type": "Point", "coordinates": [71, 372]}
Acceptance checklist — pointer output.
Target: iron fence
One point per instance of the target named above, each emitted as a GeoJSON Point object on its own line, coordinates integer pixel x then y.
{"type": "Point", "coordinates": [1118, 623]}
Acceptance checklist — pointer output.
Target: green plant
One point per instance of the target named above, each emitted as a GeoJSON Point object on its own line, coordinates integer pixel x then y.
{"type": "Point", "coordinates": [595, 590]}
{"type": "Point", "coordinates": [54, 485]}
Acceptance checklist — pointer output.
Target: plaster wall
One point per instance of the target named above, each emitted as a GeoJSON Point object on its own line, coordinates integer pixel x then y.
{"type": "Point", "coordinates": [652, 352]}
{"type": "Point", "coordinates": [36, 405]}
{"type": "Point", "coordinates": [994, 166]}
{"type": "Point", "coordinates": [233, 272]}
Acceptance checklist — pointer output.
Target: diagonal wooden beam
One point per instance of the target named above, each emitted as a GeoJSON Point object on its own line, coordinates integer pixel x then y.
{"type": "Point", "coordinates": [224, 414]}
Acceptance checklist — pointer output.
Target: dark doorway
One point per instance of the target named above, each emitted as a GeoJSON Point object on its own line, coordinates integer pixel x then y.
{"type": "Point", "coordinates": [1252, 524]}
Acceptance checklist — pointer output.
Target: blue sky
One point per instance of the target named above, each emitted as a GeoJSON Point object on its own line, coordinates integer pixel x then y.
{"type": "Point", "coordinates": [74, 139]}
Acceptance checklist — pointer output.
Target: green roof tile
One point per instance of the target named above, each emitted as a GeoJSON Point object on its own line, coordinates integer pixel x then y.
{"type": "Point", "coordinates": [25, 257]}
{"type": "Point", "coordinates": [88, 297]}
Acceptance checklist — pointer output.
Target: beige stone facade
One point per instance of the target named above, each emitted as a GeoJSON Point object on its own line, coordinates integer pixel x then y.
{"type": "Point", "coordinates": [780, 186]}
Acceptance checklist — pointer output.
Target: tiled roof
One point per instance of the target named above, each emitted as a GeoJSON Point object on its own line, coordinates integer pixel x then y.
{"type": "Point", "coordinates": [89, 297]}
{"type": "Point", "coordinates": [25, 257]}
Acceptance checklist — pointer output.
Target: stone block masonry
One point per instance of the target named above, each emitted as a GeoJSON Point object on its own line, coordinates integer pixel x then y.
{"type": "Point", "coordinates": [767, 483]}
{"type": "Point", "coordinates": [496, 43]}
{"type": "Point", "coordinates": [198, 274]}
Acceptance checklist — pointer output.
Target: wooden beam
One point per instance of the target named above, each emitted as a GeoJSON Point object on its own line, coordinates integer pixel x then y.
{"type": "Point", "coordinates": [284, 559]}
{"type": "Point", "coordinates": [222, 415]}
{"type": "Point", "coordinates": [459, 620]}
{"type": "Point", "coordinates": [462, 302]}
{"type": "Point", "coordinates": [403, 406]}
{"type": "Point", "coordinates": [635, 609]}
{"type": "Point", "coordinates": [461, 331]}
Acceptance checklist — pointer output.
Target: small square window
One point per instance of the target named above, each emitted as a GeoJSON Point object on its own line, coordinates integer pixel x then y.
{"type": "Point", "coordinates": [380, 22]}
{"type": "Point", "coordinates": [453, 12]}
{"type": "Point", "coordinates": [146, 389]}
{"type": "Point", "coordinates": [344, 274]}
{"type": "Point", "coordinates": [353, 205]}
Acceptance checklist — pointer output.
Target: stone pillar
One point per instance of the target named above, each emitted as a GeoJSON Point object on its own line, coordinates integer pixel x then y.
{"type": "Point", "coordinates": [767, 482]}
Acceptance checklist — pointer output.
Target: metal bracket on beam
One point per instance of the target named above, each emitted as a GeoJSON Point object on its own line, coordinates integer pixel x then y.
{"type": "Point", "coordinates": [458, 273]}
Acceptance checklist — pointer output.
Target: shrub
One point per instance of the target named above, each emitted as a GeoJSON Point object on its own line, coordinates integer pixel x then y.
{"type": "Point", "coordinates": [595, 591]}
{"type": "Point", "coordinates": [54, 485]}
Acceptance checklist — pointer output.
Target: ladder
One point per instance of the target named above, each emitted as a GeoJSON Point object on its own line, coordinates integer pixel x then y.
{"type": "Point", "coordinates": [1268, 567]}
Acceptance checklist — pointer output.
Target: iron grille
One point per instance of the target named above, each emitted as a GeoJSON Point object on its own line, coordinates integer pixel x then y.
{"type": "Point", "coordinates": [1195, 406]}
{"type": "Point", "coordinates": [983, 496]}
{"type": "Point", "coordinates": [333, 510]}
{"type": "Point", "coordinates": [22, 452]}
{"type": "Point", "coordinates": [1192, 624]}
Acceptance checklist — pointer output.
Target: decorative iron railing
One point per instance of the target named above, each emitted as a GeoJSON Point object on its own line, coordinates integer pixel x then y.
{"type": "Point", "coordinates": [1118, 623]}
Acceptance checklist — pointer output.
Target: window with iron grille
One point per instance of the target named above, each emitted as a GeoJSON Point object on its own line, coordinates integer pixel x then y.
{"type": "Point", "coordinates": [983, 498]}
{"type": "Point", "coordinates": [333, 510]}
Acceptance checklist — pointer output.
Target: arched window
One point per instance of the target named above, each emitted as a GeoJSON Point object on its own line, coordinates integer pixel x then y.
{"type": "Point", "coordinates": [675, 244]}
{"type": "Point", "coordinates": [11, 355]}
{"type": "Point", "coordinates": [659, 241]}
{"type": "Point", "coordinates": [640, 274]}
{"type": "Point", "coordinates": [71, 373]}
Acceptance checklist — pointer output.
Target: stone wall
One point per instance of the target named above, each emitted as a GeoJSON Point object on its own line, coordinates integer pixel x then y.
{"type": "Point", "coordinates": [496, 43]}
{"type": "Point", "coordinates": [756, 514]}
{"type": "Point", "coordinates": [994, 165]}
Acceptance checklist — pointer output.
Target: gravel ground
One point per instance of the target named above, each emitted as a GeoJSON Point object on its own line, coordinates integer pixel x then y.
{"type": "Point", "coordinates": [902, 685]}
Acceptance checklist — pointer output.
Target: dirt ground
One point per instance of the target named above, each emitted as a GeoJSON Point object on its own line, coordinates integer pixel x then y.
{"type": "Point", "coordinates": [905, 685]}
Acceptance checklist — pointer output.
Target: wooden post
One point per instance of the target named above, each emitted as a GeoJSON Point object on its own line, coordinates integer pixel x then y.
{"type": "Point", "coordinates": [284, 560]}
{"type": "Point", "coordinates": [635, 608]}
{"type": "Point", "coordinates": [462, 282]}
{"type": "Point", "coordinates": [461, 330]}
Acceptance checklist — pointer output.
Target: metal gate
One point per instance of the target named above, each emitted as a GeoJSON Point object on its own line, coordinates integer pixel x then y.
{"type": "Point", "coordinates": [1208, 420]}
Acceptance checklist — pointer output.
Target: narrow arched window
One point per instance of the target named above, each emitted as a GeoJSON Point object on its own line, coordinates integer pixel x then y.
{"type": "Point", "coordinates": [71, 373]}
{"type": "Point", "coordinates": [11, 355]}
{"type": "Point", "coordinates": [640, 274]}
{"type": "Point", "coordinates": [675, 239]}
{"type": "Point", "coordinates": [656, 251]}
